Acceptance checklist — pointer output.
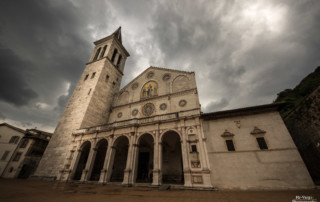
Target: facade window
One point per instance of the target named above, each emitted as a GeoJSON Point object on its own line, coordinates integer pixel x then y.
{"type": "Point", "coordinates": [230, 145]}
{"type": "Point", "coordinates": [93, 74]}
{"type": "Point", "coordinates": [119, 60]}
{"type": "Point", "coordinates": [11, 169]}
{"type": "Point", "coordinates": [5, 155]}
{"type": "Point", "coordinates": [17, 156]}
{"type": "Point", "coordinates": [97, 54]}
{"type": "Point", "coordinates": [24, 143]}
{"type": "Point", "coordinates": [262, 143]}
{"type": "Point", "coordinates": [103, 51]}
{"type": "Point", "coordinates": [194, 148]}
{"type": "Point", "coordinates": [14, 140]}
{"type": "Point", "coordinates": [114, 55]}
{"type": "Point", "coordinates": [85, 78]}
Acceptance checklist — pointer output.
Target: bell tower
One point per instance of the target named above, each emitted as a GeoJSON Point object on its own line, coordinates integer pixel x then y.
{"type": "Point", "coordinates": [90, 103]}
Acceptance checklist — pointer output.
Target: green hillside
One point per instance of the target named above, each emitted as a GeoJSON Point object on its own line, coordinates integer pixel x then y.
{"type": "Point", "coordinates": [294, 96]}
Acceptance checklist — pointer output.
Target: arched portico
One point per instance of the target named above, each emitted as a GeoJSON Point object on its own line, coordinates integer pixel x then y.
{"type": "Point", "coordinates": [172, 164]}
{"type": "Point", "coordinates": [145, 161]}
{"type": "Point", "coordinates": [119, 158]}
{"type": "Point", "coordinates": [99, 158]}
{"type": "Point", "coordinates": [82, 160]}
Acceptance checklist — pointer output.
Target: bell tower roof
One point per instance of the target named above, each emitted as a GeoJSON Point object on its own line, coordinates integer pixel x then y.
{"type": "Point", "coordinates": [116, 36]}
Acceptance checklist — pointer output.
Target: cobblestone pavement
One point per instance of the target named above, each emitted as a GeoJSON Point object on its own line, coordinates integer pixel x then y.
{"type": "Point", "coordinates": [34, 191]}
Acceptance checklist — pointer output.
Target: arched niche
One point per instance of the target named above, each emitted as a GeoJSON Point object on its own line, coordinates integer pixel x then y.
{"type": "Point", "coordinates": [150, 89]}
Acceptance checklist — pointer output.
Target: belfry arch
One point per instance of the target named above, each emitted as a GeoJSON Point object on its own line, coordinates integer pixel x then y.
{"type": "Point", "coordinates": [119, 158]}
{"type": "Point", "coordinates": [82, 161]}
{"type": "Point", "coordinates": [101, 150]}
{"type": "Point", "coordinates": [172, 165]}
{"type": "Point", "coordinates": [145, 157]}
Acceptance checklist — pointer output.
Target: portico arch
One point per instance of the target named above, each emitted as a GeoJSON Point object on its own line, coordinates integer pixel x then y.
{"type": "Point", "coordinates": [119, 158]}
{"type": "Point", "coordinates": [101, 150]}
{"type": "Point", "coordinates": [172, 165]}
{"type": "Point", "coordinates": [145, 157]}
{"type": "Point", "coordinates": [83, 158]}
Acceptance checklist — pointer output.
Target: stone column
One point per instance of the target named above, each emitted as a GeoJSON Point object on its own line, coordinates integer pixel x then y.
{"type": "Point", "coordinates": [203, 161]}
{"type": "Point", "coordinates": [103, 174]}
{"type": "Point", "coordinates": [86, 172]}
{"type": "Point", "coordinates": [74, 163]}
{"type": "Point", "coordinates": [134, 157]}
{"type": "Point", "coordinates": [127, 172]}
{"type": "Point", "coordinates": [156, 163]}
{"type": "Point", "coordinates": [185, 157]}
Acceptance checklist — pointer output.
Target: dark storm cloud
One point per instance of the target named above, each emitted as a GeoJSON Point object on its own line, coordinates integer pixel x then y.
{"type": "Point", "coordinates": [14, 73]}
{"type": "Point", "coordinates": [243, 52]}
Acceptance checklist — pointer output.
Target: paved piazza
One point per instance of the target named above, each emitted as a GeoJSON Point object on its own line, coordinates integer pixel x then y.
{"type": "Point", "coordinates": [29, 190]}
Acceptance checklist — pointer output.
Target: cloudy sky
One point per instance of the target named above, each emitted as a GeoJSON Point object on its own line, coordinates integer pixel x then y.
{"type": "Point", "coordinates": [243, 52]}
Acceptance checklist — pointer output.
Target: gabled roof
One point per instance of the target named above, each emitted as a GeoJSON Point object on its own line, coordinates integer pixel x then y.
{"type": "Point", "coordinates": [12, 127]}
{"type": "Point", "coordinates": [156, 68]}
{"type": "Point", "coordinates": [243, 111]}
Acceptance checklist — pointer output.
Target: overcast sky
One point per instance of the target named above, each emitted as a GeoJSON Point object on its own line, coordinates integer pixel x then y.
{"type": "Point", "coordinates": [243, 52]}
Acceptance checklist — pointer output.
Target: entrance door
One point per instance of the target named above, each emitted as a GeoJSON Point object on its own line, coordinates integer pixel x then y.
{"type": "Point", "coordinates": [143, 167]}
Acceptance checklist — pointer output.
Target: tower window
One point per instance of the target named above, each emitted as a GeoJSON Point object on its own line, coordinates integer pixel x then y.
{"type": "Point", "coordinates": [262, 143]}
{"type": "Point", "coordinates": [230, 145]}
{"type": "Point", "coordinates": [85, 78]}
{"type": "Point", "coordinates": [114, 83]}
{"type": "Point", "coordinates": [89, 91]}
{"type": "Point", "coordinates": [103, 51]}
{"type": "Point", "coordinates": [97, 54]}
{"type": "Point", "coordinates": [93, 74]}
{"type": "Point", "coordinates": [114, 55]}
{"type": "Point", "coordinates": [119, 60]}
{"type": "Point", "coordinates": [107, 78]}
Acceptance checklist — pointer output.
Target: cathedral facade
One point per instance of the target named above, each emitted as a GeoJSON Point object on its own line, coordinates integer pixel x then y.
{"type": "Point", "coordinates": [152, 132]}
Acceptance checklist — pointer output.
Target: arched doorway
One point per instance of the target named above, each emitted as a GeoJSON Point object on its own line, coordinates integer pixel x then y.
{"type": "Point", "coordinates": [145, 159]}
{"type": "Point", "coordinates": [121, 146]}
{"type": "Point", "coordinates": [85, 149]}
{"type": "Point", "coordinates": [172, 167]}
{"type": "Point", "coordinates": [101, 147]}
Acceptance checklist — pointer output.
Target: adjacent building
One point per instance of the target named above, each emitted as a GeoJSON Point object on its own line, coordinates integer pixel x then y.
{"type": "Point", "coordinates": [21, 150]}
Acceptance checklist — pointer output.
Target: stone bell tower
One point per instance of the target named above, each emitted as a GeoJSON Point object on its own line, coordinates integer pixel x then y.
{"type": "Point", "coordinates": [90, 103]}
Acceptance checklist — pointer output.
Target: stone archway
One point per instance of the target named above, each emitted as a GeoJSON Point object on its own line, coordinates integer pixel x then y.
{"type": "Point", "coordinates": [120, 147]}
{"type": "Point", "coordinates": [100, 156]}
{"type": "Point", "coordinates": [85, 150]}
{"type": "Point", "coordinates": [145, 159]}
{"type": "Point", "coordinates": [172, 165]}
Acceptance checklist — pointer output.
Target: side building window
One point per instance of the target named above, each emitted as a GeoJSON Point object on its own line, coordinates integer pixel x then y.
{"type": "Point", "coordinates": [17, 156]}
{"type": "Point", "coordinates": [14, 140]}
{"type": "Point", "coordinates": [97, 54]}
{"type": "Point", "coordinates": [230, 145]}
{"type": "Point", "coordinates": [5, 155]}
{"type": "Point", "coordinates": [262, 143]}
{"type": "Point", "coordinates": [24, 143]}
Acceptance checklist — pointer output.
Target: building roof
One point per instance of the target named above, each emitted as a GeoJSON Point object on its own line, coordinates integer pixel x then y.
{"type": "Point", "coordinates": [13, 127]}
{"type": "Point", "coordinates": [243, 111]}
